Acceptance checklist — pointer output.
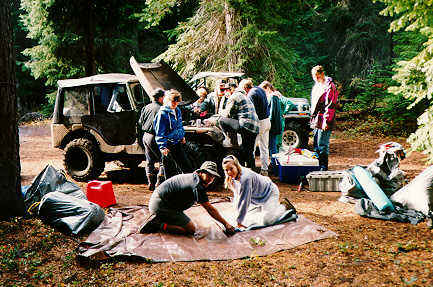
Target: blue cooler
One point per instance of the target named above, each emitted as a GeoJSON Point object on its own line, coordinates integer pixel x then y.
{"type": "Point", "coordinates": [290, 170]}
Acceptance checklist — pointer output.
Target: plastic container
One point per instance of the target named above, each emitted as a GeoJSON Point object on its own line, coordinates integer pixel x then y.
{"type": "Point", "coordinates": [101, 193]}
{"type": "Point", "coordinates": [372, 189]}
{"type": "Point", "coordinates": [292, 170]}
{"type": "Point", "coordinates": [324, 180]}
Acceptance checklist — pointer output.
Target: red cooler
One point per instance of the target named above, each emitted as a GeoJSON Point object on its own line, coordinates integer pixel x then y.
{"type": "Point", "coordinates": [101, 193]}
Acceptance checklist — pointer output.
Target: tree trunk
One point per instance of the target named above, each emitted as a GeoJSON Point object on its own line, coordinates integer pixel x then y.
{"type": "Point", "coordinates": [11, 202]}
{"type": "Point", "coordinates": [228, 12]}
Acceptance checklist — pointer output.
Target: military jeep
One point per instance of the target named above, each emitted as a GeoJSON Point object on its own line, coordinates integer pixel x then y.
{"type": "Point", "coordinates": [95, 120]}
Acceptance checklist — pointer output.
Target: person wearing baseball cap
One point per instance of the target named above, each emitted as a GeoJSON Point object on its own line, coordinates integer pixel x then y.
{"type": "Point", "coordinates": [175, 195]}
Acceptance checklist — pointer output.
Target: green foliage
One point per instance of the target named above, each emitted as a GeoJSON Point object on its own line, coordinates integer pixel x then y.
{"type": "Point", "coordinates": [414, 75]}
{"type": "Point", "coordinates": [356, 38]}
{"type": "Point", "coordinates": [77, 38]}
{"type": "Point", "coordinates": [231, 36]}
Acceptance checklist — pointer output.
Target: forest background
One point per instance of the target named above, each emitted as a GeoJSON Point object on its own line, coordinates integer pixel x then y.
{"type": "Point", "coordinates": [378, 52]}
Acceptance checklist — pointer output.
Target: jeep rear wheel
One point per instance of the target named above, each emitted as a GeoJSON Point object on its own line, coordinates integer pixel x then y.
{"type": "Point", "coordinates": [294, 136]}
{"type": "Point", "coordinates": [83, 160]}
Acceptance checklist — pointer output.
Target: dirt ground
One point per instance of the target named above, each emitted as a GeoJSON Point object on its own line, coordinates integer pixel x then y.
{"type": "Point", "coordinates": [366, 252]}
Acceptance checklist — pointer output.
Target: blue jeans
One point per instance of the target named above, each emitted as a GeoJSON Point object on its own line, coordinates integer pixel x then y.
{"type": "Point", "coordinates": [321, 146]}
{"type": "Point", "coordinates": [272, 147]}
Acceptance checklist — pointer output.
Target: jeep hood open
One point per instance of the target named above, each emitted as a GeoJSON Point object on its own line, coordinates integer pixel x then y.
{"type": "Point", "coordinates": [161, 75]}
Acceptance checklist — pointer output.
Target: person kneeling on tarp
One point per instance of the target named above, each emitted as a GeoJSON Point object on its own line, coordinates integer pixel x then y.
{"type": "Point", "coordinates": [177, 194]}
{"type": "Point", "coordinates": [256, 197]}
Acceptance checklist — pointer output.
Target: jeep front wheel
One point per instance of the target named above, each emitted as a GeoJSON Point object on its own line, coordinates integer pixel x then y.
{"type": "Point", "coordinates": [83, 160]}
{"type": "Point", "coordinates": [294, 136]}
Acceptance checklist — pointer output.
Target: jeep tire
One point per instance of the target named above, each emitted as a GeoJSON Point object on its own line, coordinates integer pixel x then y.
{"type": "Point", "coordinates": [83, 160]}
{"type": "Point", "coordinates": [294, 135]}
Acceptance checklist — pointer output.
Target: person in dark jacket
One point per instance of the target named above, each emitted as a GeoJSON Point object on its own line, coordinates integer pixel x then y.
{"type": "Point", "coordinates": [172, 197]}
{"type": "Point", "coordinates": [151, 150]}
{"type": "Point", "coordinates": [170, 136]}
{"type": "Point", "coordinates": [258, 96]}
{"type": "Point", "coordinates": [275, 117]}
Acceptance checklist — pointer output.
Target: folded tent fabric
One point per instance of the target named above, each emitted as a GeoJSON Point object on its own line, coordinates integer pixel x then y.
{"type": "Point", "coordinates": [48, 180]}
{"type": "Point", "coordinates": [366, 208]}
{"type": "Point", "coordinates": [70, 214]}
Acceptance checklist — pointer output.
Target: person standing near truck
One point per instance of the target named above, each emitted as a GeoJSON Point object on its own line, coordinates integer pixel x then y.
{"type": "Point", "coordinates": [151, 151]}
{"type": "Point", "coordinates": [275, 117]}
{"type": "Point", "coordinates": [239, 116]}
{"type": "Point", "coordinates": [170, 136]}
{"type": "Point", "coordinates": [258, 97]}
{"type": "Point", "coordinates": [324, 102]}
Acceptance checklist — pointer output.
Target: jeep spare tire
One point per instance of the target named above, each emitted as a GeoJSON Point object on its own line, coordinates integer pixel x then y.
{"type": "Point", "coordinates": [83, 160]}
{"type": "Point", "coordinates": [294, 136]}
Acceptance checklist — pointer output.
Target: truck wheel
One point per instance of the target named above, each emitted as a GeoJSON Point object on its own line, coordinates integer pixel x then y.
{"type": "Point", "coordinates": [294, 136]}
{"type": "Point", "coordinates": [83, 160]}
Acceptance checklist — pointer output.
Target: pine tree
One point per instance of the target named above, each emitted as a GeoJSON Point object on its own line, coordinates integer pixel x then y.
{"type": "Point", "coordinates": [415, 76]}
{"type": "Point", "coordinates": [78, 38]}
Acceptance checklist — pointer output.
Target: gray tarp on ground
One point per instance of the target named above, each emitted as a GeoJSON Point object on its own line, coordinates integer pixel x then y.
{"type": "Point", "coordinates": [117, 236]}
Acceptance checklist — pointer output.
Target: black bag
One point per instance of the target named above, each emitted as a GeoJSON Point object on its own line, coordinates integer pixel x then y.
{"type": "Point", "coordinates": [70, 214]}
{"type": "Point", "coordinates": [49, 180]}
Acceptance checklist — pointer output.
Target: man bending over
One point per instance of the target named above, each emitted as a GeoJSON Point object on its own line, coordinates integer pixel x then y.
{"type": "Point", "coordinates": [173, 196]}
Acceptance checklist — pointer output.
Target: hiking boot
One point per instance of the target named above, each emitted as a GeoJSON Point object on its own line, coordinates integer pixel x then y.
{"type": "Point", "coordinates": [151, 179]}
{"type": "Point", "coordinates": [151, 224]}
{"type": "Point", "coordinates": [288, 204]}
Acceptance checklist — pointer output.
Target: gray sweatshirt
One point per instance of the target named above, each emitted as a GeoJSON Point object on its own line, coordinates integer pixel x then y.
{"type": "Point", "coordinates": [252, 188]}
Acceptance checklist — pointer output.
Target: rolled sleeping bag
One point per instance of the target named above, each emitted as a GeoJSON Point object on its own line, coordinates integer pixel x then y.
{"type": "Point", "coordinates": [372, 189]}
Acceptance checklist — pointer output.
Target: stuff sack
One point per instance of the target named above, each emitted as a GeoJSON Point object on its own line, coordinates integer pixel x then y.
{"type": "Point", "coordinates": [418, 194]}
{"type": "Point", "coordinates": [49, 180]}
{"type": "Point", "coordinates": [386, 169]}
{"type": "Point", "coordinates": [70, 214]}
{"type": "Point", "coordinates": [350, 188]}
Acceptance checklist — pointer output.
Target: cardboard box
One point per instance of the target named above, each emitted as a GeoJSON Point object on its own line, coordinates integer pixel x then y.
{"type": "Point", "coordinates": [325, 180]}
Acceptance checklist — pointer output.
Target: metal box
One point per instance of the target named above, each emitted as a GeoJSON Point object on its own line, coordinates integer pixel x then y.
{"type": "Point", "coordinates": [325, 180]}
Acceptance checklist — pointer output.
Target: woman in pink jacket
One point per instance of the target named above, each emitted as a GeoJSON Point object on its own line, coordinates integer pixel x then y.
{"type": "Point", "coordinates": [324, 97]}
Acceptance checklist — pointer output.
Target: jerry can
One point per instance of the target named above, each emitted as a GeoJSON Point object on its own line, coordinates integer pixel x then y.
{"type": "Point", "coordinates": [101, 193]}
